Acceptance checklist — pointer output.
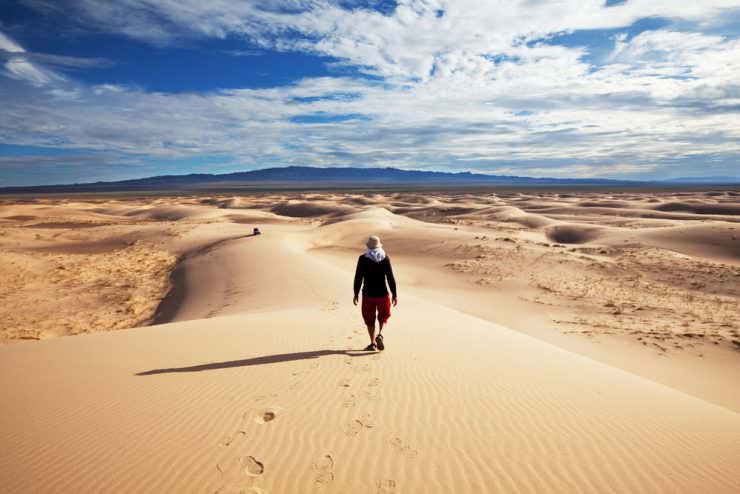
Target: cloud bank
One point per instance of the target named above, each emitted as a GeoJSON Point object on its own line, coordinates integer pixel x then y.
{"type": "Point", "coordinates": [439, 84]}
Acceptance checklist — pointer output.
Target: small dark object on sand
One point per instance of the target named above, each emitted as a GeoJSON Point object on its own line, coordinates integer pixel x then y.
{"type": "Point", "coordinates": [256, 231]}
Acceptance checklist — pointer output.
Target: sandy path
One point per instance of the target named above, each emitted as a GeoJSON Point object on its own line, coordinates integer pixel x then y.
{"type": "Point", "coordinates": [279, 401]}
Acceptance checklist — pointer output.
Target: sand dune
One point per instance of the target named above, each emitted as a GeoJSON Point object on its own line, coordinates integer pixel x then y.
{"type": "Point", "coordinates": [281, 401]}
{"type": "Point", "coordinates": [110, 273]}
{"type": "Point", "coordinates": [700, 208]}
{"type": "Point", "coordinates": [170, 213]}
{"type": "Point", "coordinates": [721, 241]}
{"type": "Point", "coordinates": [515, 215]}
{"type": "Point", "coordinates": [534, 349]}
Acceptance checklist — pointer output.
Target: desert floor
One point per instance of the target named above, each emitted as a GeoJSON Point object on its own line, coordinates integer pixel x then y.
{"type": "Point", "coordinates": [562, 341]}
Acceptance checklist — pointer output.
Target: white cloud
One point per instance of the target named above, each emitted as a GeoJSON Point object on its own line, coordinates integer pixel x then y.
{"type": "Point", "coordinates": [404, 44]}
{"type": "Point", "coordinates": [9, 45]}
{"type": "Point", "coordinates": [20, 68]}
{"type": "Point", "coordinates": [472, 87]}
{"type": "Point", "coordinates": [581, 171]}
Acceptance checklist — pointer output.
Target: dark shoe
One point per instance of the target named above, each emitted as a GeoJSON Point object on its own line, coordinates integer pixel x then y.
{"type": "Point", "coordinates": [379, 342]}
{"type": "Point", "coordinates": [370, 348]}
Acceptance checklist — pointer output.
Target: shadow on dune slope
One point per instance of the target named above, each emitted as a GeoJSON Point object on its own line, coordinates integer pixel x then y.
{"type": "Point", "coordinates": [265, 359]}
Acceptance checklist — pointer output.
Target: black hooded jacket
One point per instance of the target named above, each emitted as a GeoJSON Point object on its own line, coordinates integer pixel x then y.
{"type": "Point", "coordinates": [374, 275]}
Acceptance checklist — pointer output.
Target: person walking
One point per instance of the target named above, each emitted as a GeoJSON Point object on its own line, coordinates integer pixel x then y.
{"type": "Point", "coordinates": [373, 269]}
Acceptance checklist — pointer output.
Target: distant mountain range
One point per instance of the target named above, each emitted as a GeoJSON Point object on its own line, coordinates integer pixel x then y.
{"type": "Point", "coordinates": [299, 176]}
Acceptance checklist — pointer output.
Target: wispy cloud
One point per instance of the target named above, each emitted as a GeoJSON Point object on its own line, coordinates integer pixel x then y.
{"type": "Point", "coordinates": [58, 61]}
{"type": "Point", "coordinates": [245, 53]}
{"type": "Point", "coordinates": [18, 66]}
{"type": "Point", "coordinates": [579, 170]}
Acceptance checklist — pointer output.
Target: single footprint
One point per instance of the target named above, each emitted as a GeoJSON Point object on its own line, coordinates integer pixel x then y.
{"type": "Point", "coordinates": [241, 475]}
{"type": "Point", "coordinates": [374, 382]}
{"type": "Point", "coordinates": [344, 383]}
{"type": "Point", "coordinates": [260, 415]}
{"type": "Point", "coordinates": [349, 401]}
{"type": "Point", "coordinates": [228, 440]}
{"type": "Point", "coordinates": [404, 449]}
{"type": "Point", "coordinates": [385, 486]}
{"type": "Point", "coordinates": [295, 385]}
{"type": "Point", "coordinates": [324, 467]}
{"type": "Point", "coordinates": [265, 415]}
{"type": "Point", "coordinates": [224, 466]}
{"type": "Point", "coordinates": [352, 428]}
{"type": "Point", "coordinates": [396, 442]}
{"type": "Point", "coordinates": [252, 466]}
{"type": "Point", "coordinates": [366, 420]}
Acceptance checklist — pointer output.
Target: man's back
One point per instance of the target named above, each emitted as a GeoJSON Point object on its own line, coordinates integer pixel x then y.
{"type": "Point", "coordinates": [374, 275]}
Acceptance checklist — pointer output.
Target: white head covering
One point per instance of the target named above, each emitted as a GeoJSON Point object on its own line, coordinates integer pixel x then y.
{"type": "Point", "coordinates": [374, 249]}
{"type": "Point", "coordinates": [373, 241]}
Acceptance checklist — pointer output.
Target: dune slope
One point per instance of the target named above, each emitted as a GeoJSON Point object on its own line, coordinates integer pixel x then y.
{"type": "Point", "coordinates": [279, 401]}
{"type": "Point", "coordinates": [277, 398]}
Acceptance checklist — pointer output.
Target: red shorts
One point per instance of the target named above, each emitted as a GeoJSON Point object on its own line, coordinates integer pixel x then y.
{"type": "Point", "coordinates": [372, 304]}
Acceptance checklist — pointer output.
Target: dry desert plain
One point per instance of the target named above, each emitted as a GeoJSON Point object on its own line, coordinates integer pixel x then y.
{"type": "Point", "coordinates": [544, 341]}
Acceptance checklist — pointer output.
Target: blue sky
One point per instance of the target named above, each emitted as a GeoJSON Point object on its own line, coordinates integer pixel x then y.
{"type": "Point", "coordinates": [101, 90]}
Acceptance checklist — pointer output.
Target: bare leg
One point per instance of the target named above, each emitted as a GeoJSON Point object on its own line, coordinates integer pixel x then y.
{"type": "Point", "coordinates": [371, 333]}
{"type": "Point", "coordinates": [380, 331]}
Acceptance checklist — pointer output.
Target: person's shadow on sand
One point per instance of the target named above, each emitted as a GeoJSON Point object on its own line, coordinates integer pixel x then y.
{"type": "Point", "coordinates": [266, 359]}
